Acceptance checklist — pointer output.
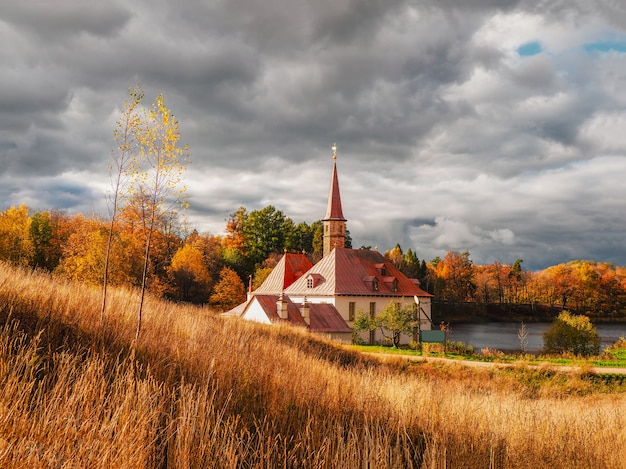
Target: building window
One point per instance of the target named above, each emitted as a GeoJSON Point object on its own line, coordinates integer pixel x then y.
{"type": "Point", "coordinates": [394, 285]}
{"type": "Point", "coordinates": [351, 309]}
{"type": "Point", "coordinates": [375, 284]}
{"type": "Point", "coordinates": [309, 282]}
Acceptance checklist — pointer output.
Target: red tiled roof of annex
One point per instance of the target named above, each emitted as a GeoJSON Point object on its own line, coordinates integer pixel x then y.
{"type": "Point", "coordinates": [268, 303]}
{"type": "Point", "coordinates": [324, 317]}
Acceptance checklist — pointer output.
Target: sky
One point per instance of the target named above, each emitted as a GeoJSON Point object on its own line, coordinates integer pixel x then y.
{"type": "Point", "coordinates": [496, 127]}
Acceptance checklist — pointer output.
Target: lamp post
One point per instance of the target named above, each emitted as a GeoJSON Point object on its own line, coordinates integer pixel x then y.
{"type": "Point", "coordinates": [419, 321]}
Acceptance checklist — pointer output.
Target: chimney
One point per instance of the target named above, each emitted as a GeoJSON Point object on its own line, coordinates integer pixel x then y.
{"type": "Point", "coordinates": [281, 307]}
{"type": "Point", "coordinates": [305, 312]}
{"type": "Point", "coordinates": [249, 295]}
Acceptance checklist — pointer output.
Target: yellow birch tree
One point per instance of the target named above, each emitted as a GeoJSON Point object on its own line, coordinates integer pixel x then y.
{"type": "Point", "coordinates": [156, 170]}
{"type": "Point", "coordinates": [124, 135]}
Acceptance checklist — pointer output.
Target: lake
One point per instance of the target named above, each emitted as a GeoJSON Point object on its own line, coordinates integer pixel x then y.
{"type": "Point", "coordinates": [503, 335]}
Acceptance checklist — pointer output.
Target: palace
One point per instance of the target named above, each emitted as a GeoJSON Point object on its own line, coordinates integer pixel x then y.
{"type": "Point", "coordinates": [327, 297]}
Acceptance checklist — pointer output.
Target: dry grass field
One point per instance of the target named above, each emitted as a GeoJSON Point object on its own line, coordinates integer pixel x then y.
{"type": "Point", "coordinates": [203, 391]}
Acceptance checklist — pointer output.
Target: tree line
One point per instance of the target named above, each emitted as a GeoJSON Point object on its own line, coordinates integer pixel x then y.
{"type": "Point", "coordinates": [183, 265]}
{"type": "Point", "coordinates": [597, 289]}
{"type": "Point", "coordinates": [202, 268]}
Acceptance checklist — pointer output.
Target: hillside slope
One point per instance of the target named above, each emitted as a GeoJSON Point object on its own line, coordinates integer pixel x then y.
{"type": "Point", "coordinates": [203, 391]}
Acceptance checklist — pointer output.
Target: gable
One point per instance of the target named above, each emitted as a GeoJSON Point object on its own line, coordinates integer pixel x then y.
{"type": "Point", "coordinates": [262, 308]}
{"type": "Point", "coordinates": [290, 268]}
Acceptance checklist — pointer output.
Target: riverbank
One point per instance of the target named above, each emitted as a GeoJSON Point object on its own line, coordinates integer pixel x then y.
{"type": "Point", "coordinates": [459, 313]}
{"type": "Point", "coordinates": [533, 364]}
{"type": "Point", "coordinates": [504, 335]}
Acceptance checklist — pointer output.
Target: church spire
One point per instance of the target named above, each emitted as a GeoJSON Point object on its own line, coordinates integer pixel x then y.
{"type": "Point", "coordinates": [334, 222]}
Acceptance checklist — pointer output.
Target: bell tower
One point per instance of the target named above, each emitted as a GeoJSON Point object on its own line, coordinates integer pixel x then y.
{"type": "Point", "coordinates": [334, 222]}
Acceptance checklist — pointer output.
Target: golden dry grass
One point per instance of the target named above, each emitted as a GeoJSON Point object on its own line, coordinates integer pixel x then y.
{"type": "Point", "coordinates": [203, 391]}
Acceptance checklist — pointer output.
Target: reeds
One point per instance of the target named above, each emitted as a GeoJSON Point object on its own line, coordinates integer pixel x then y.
{"type": "Point", "coordinates": [202, 391]}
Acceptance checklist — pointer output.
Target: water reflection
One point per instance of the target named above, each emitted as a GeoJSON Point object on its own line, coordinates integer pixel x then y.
{"type": "Point", "coordinates": [503, 335]}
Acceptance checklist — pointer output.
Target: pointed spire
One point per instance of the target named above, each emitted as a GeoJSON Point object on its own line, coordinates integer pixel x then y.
{"type": "Point", "coordinates": [334, 222]}
{"type": "Point", "coordinates": [333, 210]}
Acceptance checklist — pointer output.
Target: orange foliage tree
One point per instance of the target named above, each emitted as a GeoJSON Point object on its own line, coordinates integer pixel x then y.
{"type": "Point", "coordinates": [15, 241]}
{"type": "Point", "coordinates": [84, 251]}
{"type": "Point", "coordinates": [190, 279]}
{"type": "Point", "coordinates": [229, 291]}
{"type": "Point", "coordinates": [455, 275]}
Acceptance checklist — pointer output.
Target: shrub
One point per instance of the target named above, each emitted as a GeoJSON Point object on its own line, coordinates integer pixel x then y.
{"type": "Point", "coordinates": [572, 333]}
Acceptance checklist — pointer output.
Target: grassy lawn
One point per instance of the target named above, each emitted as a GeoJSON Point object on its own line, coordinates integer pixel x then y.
{"type": "Point", "coordinates": [612, 358]}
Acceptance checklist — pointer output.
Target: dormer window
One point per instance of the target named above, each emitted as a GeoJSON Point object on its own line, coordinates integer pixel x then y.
{"type": "Point", "coordinates": [394, 285]}
{"type": "Point", "coordinates": [314, 280]}
{"type": "Point", "coordinates": [375, 284]}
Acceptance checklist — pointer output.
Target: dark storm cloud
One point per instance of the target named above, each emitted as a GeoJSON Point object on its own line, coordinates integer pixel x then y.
{"type": "Point", "coordinates": [55, 20]}
{"type": "Point", "coordinates": [448, 137]}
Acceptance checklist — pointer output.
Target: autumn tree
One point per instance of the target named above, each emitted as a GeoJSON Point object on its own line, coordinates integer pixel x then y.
{"type": "Point", "coordinates": [41, 237]}
{"type": "Point", "coordinates": [455, 275]}
{"type": "Point", "coordinates": [156, 170]}
{"type": "Point", "coordinates": [260, 274]}
{"type": "Point", "coordinates": [60, 225]}
{"type": "Point", "coordinates": [125, 138]}
{"type": "Point", "coordinates": [211, 248]}
{"type": "Point", "coordinates": [15, 241]}
{"type": "Point", "coordinates": [234, 243]}
{"type": "Point", "coordinates": [572, 333]}
{"type": "Point", "coordinates": [83, 254]}
{"type": "Point", "coordinates": [395, 256]}
{"type": "Point", "coordinates": [190, 278]}
{"type": "Point", "coordinates": [235, 238]}
{"type": "Point", "coordinates": [559, 284]}
{"type": "Point", "coordinates": [229, 291]}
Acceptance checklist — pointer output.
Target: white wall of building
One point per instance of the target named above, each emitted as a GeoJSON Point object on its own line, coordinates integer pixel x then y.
{"type": "Point", "coordinates": [254, 312]}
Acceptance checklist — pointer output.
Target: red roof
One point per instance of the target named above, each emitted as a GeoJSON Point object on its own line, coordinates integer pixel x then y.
{"type": "Point", "coordinates": [333, 211]}
{"type": "Point", "coordinates": [356, 272]}
{"type": "Point", "coordinates": [323, 317]}
{"type": "Point", "coordinates": [268, 303]}
{"type": "Point", "coordinates": [290, 268]}
{"type": "Point", "coordinates": [326, 318]}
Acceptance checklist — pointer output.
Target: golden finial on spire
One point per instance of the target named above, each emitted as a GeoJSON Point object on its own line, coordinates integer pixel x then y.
{"type": "Point", "coordinates": [334, 149]}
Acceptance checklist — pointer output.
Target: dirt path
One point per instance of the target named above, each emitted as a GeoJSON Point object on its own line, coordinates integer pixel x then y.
{"type": "Point", "coordinates": [476, 364]}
